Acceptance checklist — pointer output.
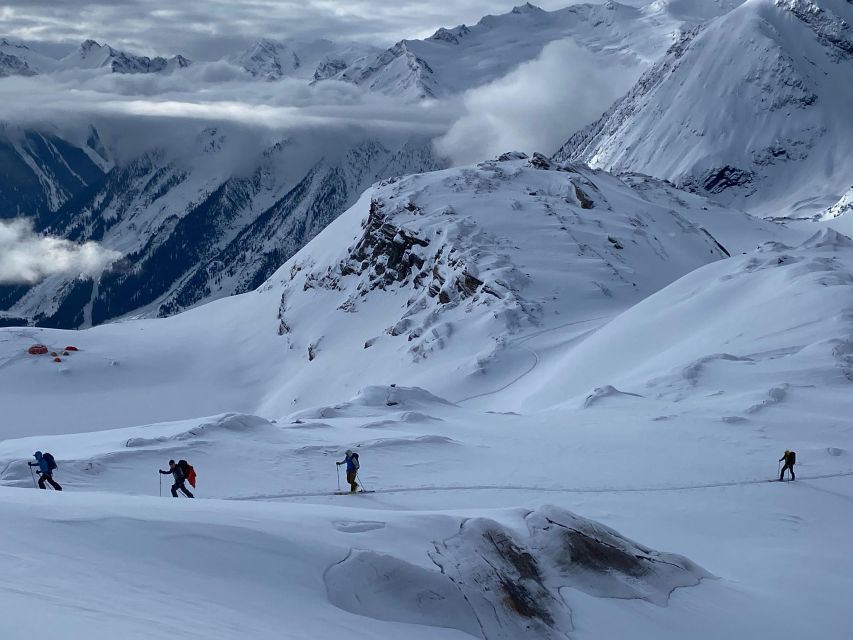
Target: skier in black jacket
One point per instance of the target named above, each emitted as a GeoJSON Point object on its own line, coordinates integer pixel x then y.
{"type": "Point", "coordinates": [178, 475]}
{"type": "Point", "coordinates": [790, 459]}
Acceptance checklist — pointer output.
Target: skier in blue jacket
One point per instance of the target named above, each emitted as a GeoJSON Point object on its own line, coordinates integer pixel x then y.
{"type": "Point", "coordinates": [45, 472]}
{"type": "Point", "coordinates": [351, 460]}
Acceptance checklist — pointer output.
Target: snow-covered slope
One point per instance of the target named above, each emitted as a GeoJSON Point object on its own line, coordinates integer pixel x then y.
{"type": "Point", "coordinates": [92, 55]}
{"type": "Point", "coordinates": [458, 59]}
{"type": "Point", "coordinates": [752, 109]}
{"type": "Point", "coordinates": [762, 328]}
{"type": "Point", "coordinates": [579, 414]}
{"type": "Point", "coordinates": [426, 276]}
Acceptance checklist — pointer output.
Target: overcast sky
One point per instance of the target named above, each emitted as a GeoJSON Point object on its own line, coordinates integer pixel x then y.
{"type": "Point", "coordinates": [206, 29]}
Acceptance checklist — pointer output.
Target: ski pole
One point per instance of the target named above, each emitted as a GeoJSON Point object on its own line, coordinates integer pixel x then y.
{"type": "Point", "coordinates": [160, 475]}
{"type": "Point", "coordinates": [338, 468]}
{"type": "Point", "coordinates": [361, 482]}
{"type": "Point", "coordinates": [32, 473]}
{"type": "Point", "coordinates": [779, 470]}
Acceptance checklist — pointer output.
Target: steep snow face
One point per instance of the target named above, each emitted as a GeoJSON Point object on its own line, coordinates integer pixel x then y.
{"type": "Point", "coordinates": [41, 171]}
{"type": "Point", "coordinates": [843, 207]}
{"type": "Point", "coordinates": [693, 11]}
{"type": "Point", "coordinates": [458, 59]}
{"type": "Point", "coordinates": [17, 59]}
{"type": "Point", "coordinates": [198, 226]}
{"type": "Point", "coordinates": [313, 60]}
{"type": "Point", "coordinates": [753, 109]}
{"type": "Point", "coordinates": [92, 55]}
{"type": "Point", "coordinates": [268, 60]}
{"type": "Point", "coordinates": [14, 60]}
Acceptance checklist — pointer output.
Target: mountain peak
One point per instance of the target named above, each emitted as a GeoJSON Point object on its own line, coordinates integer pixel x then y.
{"type": "Point", "coordinates": [527, 8]}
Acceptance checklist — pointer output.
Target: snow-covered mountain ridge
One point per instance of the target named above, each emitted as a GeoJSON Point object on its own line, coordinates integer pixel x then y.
{"type": "Point", "coordinates": [751, 108]}
{"type": "Point", "coordinates": [455, 60]}
{"type": "Point", "coordinates": [93, 55]}
{"type": "Point", "coordinates": [19, 59]}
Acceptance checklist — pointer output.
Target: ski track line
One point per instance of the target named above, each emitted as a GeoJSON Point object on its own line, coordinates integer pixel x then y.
{"type": "Point", "coordinates": [520, 343]}
{"type": "Point", "coordinates": [485, 487]}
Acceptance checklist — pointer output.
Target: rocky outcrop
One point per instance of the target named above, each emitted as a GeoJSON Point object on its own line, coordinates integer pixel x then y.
{"type": "Point", "coordinates": [503, 583]}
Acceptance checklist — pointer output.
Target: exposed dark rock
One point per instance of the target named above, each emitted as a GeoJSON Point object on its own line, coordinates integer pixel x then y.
{"type": "Point", "coordinates": [512, 155]}
{"type": "Point", "coordinates": [719, 180]}
{"type": "Point", "coordinates": [539, 161]}
{"type": "Point", "coordinates": [585, 201]}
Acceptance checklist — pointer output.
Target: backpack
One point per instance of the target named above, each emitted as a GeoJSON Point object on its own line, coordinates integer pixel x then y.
{"type": "Point", "coordinates": [792, 457]}
{"type": "Point", "coordinates": [51, 463]}
{"type": "Point", "coordinates": [189, 472]}
{"type": "Point", "coordinates": [355, 462]}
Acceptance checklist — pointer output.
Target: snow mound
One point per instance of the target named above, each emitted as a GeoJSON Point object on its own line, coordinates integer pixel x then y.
{"type": "Point", "coordinates": [383, 587]}
{"type": "Point", "coordinates": [828, 239]}
{"type": "Point", "coordinates": [799, 332]}
{"type": "Point", "coordinates": [399, 403]}
{"type": "Point", "coordinates": [401, 397]}
{"type": "Point", "coordinates": [231, 422]}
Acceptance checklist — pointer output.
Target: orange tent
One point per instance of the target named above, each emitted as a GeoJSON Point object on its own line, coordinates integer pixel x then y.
{"type": "Point", "coordinates": [37, 350]}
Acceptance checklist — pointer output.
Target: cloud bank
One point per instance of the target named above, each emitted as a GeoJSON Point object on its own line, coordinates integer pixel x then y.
{"type": "Point", "coordinates": [27, 258]}
{"type": "Point", "coordinates": [204, 30]}
{"type": "Point", "coordinates": [537, 106]}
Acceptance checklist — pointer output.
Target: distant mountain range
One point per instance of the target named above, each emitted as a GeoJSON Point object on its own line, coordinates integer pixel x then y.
{"type": "Point", "coordinates": [201, 218]}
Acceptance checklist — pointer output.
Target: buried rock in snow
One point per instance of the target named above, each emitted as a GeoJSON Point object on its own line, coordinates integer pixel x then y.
{"type": "Point", "coordinates": [505, 583]}
{"type": "Point", "coordinates": [519, 583]}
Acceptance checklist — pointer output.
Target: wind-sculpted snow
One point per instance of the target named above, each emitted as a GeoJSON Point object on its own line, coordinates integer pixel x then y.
{"type": "Point", "coordinates": [519, 584]}
{"type": "Point", "coordinates": [383, 587]}
{"type": "Point", "coordinates": [503, 583]}
{"type": "Point", "coordinates": [783, 314]}
{"type": "Point", "coordinates": [752, 108]}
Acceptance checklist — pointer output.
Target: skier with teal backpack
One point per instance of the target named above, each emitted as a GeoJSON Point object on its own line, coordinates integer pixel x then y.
{"type": "Point", "coordinates": [47, 465]}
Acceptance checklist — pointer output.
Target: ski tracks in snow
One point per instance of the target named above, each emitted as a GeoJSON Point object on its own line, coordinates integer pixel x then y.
{"type": "Point", "coordinates": [486, 487]}
{"type": "Point", "coordinates": [521, 344]}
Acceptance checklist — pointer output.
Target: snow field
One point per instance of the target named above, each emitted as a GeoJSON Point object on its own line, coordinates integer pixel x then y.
{"type": "Point", "coordinates": [658, 408]}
